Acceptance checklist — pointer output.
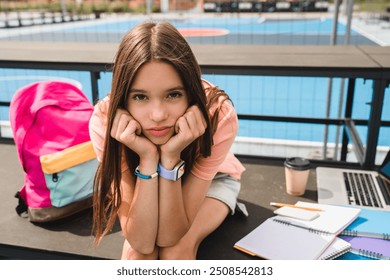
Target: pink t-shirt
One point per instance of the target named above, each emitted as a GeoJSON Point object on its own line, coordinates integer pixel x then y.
{"type": "Point", "coordinates": [221, 158]}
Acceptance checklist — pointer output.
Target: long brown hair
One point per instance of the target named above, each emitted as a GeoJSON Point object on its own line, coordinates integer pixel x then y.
{"type": "Point", "coordinates": [144, 43]}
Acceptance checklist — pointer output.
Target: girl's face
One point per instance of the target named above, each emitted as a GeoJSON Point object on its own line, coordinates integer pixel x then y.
{"type": "Point", "coordinates": [156, 100]}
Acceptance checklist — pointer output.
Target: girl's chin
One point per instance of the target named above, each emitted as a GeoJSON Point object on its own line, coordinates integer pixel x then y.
{"type": "Point", "coordinates": [159, 140]}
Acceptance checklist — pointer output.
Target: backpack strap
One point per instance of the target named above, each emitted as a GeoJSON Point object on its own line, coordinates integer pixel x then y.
{"type": "Point", "coordinates": [22, 206]}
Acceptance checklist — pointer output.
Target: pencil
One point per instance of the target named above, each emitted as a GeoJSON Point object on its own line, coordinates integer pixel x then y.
{"type": "Point", "coordinates": [294, 206]}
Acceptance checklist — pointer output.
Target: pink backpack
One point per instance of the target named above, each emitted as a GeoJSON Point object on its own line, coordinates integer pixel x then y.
{"type": "Point", "coordinates": [49, 121]}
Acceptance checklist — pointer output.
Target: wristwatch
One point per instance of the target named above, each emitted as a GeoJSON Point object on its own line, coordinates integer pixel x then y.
{"type": "Point", "coordinates": [174, 174]}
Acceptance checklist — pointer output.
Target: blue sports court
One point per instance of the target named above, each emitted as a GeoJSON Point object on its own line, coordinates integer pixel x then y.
{"type": "Point", "coordinates": [287, 96]}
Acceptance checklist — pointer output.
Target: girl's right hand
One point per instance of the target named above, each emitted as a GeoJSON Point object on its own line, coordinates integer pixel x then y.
{"type": "Point", "coordinates": [127, 131]}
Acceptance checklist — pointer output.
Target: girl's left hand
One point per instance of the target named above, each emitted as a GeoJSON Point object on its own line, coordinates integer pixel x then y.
{"type": "Point", "coordinates": [188, 128]}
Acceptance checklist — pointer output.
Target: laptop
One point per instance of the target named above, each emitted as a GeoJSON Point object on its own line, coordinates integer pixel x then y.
{"type": "Point", "coordinates": [359, 188]}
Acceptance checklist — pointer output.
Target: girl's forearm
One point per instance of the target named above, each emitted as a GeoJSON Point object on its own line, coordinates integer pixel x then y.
{"type": "Point", "coordinates": [142, 214]}
{"type": "Point", "coordinates": [173, 222]}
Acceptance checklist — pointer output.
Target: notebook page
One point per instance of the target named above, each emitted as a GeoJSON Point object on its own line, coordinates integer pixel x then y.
{"type": "Point", "coordinates": [333, 219]}
{"type": "Point", "coordinates": [277, 241]}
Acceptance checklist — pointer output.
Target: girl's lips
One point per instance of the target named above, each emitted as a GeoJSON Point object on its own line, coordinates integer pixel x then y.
{"type": "Point", "coordinates": [158, 132]}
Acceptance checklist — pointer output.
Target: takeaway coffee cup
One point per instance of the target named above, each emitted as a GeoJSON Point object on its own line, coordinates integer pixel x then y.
{"type": "Point", "coordinates": [297, 172]}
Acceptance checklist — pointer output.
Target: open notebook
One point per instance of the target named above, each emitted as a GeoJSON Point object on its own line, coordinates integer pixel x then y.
{"type": "Point", "coordinates": [275, 241]}
{"type": "Point", "coordinates": [282, 238]}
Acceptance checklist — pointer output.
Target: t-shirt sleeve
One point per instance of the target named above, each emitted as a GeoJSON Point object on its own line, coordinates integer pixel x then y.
{"type": "Point", "coordinates": [98, 128]}
{"type": "Point", "coordinates": [206, 168]}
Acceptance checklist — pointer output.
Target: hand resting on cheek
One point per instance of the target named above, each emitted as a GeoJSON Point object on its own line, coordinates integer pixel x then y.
{"type": "Point", "coordinates": [127, 131]}
{"type": "Point", "coordinates": [188, 128]}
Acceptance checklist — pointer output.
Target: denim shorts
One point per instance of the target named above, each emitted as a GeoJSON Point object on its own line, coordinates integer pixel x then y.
{"type": "Point", "coordinates": [226, 189]}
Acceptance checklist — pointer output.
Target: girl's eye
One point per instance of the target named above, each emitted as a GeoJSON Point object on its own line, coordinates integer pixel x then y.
{"type": "Point", "coordinates": [139, 97]}
{"type": "Point", "coordinates": [175, 95]}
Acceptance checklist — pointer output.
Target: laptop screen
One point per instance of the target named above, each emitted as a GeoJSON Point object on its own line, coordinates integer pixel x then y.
{"type": "Point", "coordinates": [385, 167]}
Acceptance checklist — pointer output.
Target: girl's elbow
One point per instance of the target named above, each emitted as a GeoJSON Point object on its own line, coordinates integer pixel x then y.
{"type": "Point", "coordinates": [142, 243]}
{"type": "Point", "coordinates": [143, 248]}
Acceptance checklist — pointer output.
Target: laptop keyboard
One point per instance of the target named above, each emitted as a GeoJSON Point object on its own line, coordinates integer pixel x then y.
{"type": "Point", "coordinates": [361, 189]}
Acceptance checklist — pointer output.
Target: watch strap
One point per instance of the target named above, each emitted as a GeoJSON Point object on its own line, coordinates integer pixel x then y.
{"type": "Point", "coordinates": [174, 174]}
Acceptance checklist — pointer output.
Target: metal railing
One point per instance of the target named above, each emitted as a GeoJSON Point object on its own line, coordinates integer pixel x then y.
{"type": "Point", "coordinates": [249, 62]}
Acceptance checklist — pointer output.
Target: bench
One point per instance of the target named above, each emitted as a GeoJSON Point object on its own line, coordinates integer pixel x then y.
{"type": "Point", "coordinates": [71, 238]}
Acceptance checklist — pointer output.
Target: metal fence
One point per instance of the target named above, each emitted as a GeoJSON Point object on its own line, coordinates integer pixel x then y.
{"type": "Point", "coordinates": [271, 95]}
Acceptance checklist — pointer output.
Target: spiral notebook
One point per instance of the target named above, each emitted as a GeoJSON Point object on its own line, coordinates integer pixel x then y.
{"type": "Point", "coordinates": [370, 223]}
{"type": "Point", "coordinates": [336, 249]}
{"type": "Point", "coordinates": [351, 256]}
{"type": "Point", "coordinates": [276, 240]}
{"type": "Point", "coordinates": [332, 219]}
{"type": "Point", "coordinates": [374, 248]}
{"type": "Point", "coordinates": [284, 238]}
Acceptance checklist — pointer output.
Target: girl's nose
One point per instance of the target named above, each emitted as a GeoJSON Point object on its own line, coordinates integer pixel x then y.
{"type": "Point", "coordinates": [158, 113]}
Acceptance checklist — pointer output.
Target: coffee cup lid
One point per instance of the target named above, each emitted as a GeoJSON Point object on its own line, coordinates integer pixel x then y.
{"type": "Point", "coordinates": [297, 163]}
